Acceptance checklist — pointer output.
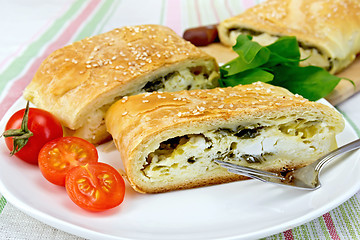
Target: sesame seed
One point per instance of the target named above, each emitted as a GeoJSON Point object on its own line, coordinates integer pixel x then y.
{"type": "Point", "coordinates": [145, 101]}
{"type": "Point", "coordinates": [124, 113]}
{"type": "Point", "coordinates": [200, 108]}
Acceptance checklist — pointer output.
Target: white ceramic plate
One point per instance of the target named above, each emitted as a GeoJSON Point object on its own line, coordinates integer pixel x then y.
{"type": "Point", "coordinates": [240, 210]}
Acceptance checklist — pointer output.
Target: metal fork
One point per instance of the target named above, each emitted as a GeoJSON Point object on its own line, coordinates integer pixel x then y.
{"type": "Point", "coordinates": [305, 178]}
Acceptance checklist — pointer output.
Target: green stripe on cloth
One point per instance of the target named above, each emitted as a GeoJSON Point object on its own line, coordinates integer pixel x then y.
{"type": "Point", "coordinates": [34, 48]}
{"type": "Point", "coordinates": [313, 228]}
{"type": "Point", "coordinates": [324, 230]}
{"type": "Point", "coordinates": [162, 17]}
{"type": "Point", "coordinates": [340, 219]}
{"type": "Point", "coordinates": [356, 208]}
{"type": "Point", "coordinates": [301, 232]}
{"type": "Point", "coordinates": [350, 215]}
{"type": "Point", "coordinates": [191, 20]}
{"type": "Point", "coordinates": [109, 15]}
{"type": "Point", "coordinates": [221, 11]}
{"type": "Point", "coordinates": [2, 203]}
{"type": "Point", "coordinates": [346, 218]}
{"type": "Point", "coordinates": [90, 27]}
{"type": "Point", "coordinates": [207, 13]}
{"type": "Point", "coordinates": [273, 237]}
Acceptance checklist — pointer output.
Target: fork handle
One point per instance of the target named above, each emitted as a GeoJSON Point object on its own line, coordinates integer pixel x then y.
{"type": "Point", "coordinates": [341, 150]}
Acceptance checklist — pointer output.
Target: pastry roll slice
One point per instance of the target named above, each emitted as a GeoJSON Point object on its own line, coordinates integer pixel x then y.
{"type": "Point", "coordinates": [79, 82]}
{"type": "Point", "coordinates": [327, 31]}
{"type": "Point", "coordinates": [169, 141]}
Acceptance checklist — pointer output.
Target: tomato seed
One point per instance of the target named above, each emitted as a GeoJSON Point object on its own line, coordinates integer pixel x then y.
{"type": "Point", "coordinates": [81, 180]}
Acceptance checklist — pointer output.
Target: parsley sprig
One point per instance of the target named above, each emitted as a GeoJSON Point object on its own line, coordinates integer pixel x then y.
{"type": "Point", "coordinates": [276, 64]}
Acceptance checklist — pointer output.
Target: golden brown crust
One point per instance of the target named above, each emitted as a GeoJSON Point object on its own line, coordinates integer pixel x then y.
{"type": "Point", "coordinates": [85, 75]}
{"type": "Point", "coordinates": [139, 123]}
{"type": "Point", "coordinates": [332, 26]}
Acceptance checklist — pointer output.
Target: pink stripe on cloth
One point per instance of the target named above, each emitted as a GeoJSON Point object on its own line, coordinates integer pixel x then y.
{"type": "Point", "coordinates": [198, 14]}
{"type": "Point", "coordinates": [35, 36]}
{"type": "Point", "coordinates": [288, 235]}
{"type": "Point", "coordinates": [248, 4]}
{"type": "Point", "coordinates": [173, 16]}
{"type": "Point", "coordinates": [215, 11]}
{"type": "Point", "coordinates": [228, 8]}
{"type": "Point", "coordinates": [18, 86]}
{"type": "Point", "coordinates": [330, 226]}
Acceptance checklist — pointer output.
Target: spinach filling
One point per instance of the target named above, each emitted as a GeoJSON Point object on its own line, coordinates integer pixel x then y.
{"type": "Point", "coordinates": [167, 147]}
{"type": "Point", "coordinates": [157, 84]}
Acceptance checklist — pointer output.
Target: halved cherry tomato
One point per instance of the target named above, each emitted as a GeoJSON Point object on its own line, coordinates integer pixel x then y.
{"type": "Point", "coordinates": [38, 128]}
{"type": "Point", "coordinates": [95, 186]}
{"type": "Point", "coordinates": [58, 156]}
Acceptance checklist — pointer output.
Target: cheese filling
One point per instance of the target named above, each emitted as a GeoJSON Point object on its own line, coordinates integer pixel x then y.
{"type": "Point", "coordinates": [272, 147]}
{"type": "Point", "coordinates": [311, 55]}
{"type": "Point", "coordinates": [197, 77]}
{"type": "Point", "coordinates": [185, 79]}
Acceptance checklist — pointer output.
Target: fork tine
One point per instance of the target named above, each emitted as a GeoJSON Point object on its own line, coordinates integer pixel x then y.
{"type": "Point", "coordinates": [249, 172]}
{"type": "Point", "coordinates": [246, 169]}
{"type": "Point", "coordinates": [242, 168]}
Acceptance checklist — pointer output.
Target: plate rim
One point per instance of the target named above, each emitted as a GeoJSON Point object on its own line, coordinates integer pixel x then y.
{"type": "Point", "coordinates": [91, 234]}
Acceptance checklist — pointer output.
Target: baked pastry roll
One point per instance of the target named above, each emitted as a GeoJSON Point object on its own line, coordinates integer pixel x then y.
{"type": "Point", "coordinates": [79, 82]}
{"type": "Point", "coordinates": [169, 141]}
{"type": "Point", "coordinates": [327, 31]}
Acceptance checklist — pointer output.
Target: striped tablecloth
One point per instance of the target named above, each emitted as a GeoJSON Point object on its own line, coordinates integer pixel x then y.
{"type": "Point", "coordinates": [32, 29]}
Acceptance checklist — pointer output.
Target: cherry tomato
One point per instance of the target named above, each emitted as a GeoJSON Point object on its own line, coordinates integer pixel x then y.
{"type": "Point", "coordinates": [95, 186]}
{"type": "Point", "coordinates": [58, 156]}
{"type": "Point", "coordinates": [43, 126]}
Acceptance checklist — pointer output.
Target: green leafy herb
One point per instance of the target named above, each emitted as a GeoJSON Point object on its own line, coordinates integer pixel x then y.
{"type": "Point", "coordinates": [276, 64]}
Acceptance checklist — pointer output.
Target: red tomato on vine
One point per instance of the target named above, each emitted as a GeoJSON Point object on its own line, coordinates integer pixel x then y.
{"type": "Point", "coordinates": [28, 130]}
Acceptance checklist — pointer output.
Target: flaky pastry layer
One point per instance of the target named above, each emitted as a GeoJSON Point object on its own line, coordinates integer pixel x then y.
{"type": "Point", "coordinates": [79, 82]}
{"type": "Point", "coordinates": [327, 30]}
{"type": "Point", "coordinates": [169, 141]}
